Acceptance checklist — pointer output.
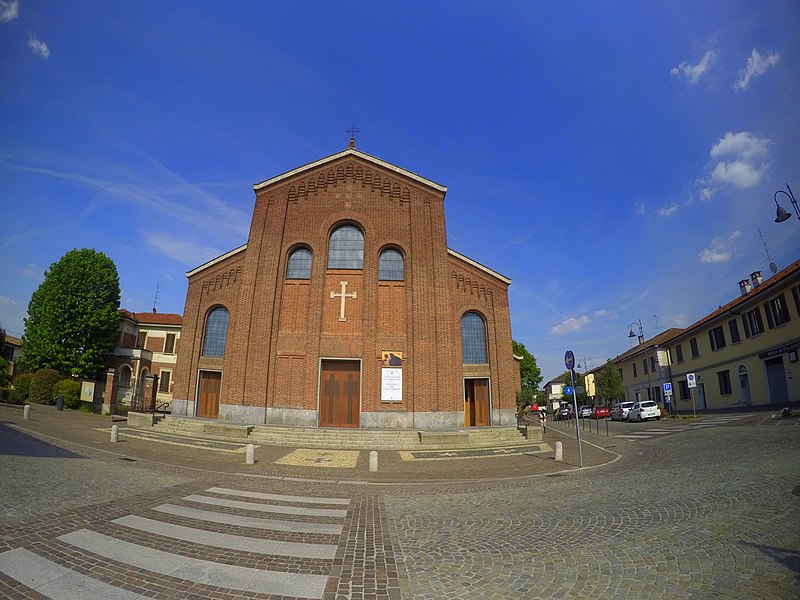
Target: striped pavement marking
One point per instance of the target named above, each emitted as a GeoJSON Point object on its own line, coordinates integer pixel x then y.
{"type": "Point", "coordinates": [60, 582]}
{"type": "Point", "coordinates": [657, 431]}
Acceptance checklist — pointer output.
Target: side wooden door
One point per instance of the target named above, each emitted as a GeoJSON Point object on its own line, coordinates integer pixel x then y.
{"type": "Point", "coordinates": [210, 385]}
{"type": "Point", "coordinates": [340, 394]}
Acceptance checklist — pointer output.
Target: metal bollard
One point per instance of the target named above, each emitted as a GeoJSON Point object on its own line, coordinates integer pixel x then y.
{"type": "Point", "coordinates": [250, 454]}
{"type": "Point", "coordinates": [373, 461]}
{"type": "Point", "coordinates": [26, 413]}
{"type": "Point", "coordinates": [558, 453]}
{"type": "Point", "coordinates": [115, 433]}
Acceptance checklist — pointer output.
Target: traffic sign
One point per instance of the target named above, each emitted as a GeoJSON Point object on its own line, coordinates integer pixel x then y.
{"type": "Point", "coordinates": [667, 389]}
{"type": "Point", "coordinates": [690, 380]}
{"type": "Point", "coordinates": [568, 391]}
{"type": "Point", "coordinates": [569, 360]}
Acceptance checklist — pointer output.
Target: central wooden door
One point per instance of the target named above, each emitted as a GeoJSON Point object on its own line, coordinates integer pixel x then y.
{"type": "Point", "coordinates": [476, 402]}
{"type": "Point", "coordinates": [340, 393]}
{"type": "Point", "coordinates": [210, 385]}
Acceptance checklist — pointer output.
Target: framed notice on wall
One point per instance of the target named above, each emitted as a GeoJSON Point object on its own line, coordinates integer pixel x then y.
{"type": "Point", "coordinates": [391, 385]}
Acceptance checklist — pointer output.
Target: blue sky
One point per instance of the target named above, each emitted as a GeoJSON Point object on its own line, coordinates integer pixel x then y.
{"type": "Point", "coordinates": [616, 160]}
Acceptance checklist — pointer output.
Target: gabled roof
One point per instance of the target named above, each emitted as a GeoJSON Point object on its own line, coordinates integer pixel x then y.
{"type": "Point", "coordinates": [355, 153]}
{"type": "Point", "coordinates": [152, 318]}
{"type": "Point", "coordinates": [216, 260]}
{"type": "Point", "coordinates": [478, 265]}
{"type": "Point", "coordinates": [659, 340]}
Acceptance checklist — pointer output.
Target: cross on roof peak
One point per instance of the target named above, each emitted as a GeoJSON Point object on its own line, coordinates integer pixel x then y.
{"type": "Point", "coordinates": [353, 131]}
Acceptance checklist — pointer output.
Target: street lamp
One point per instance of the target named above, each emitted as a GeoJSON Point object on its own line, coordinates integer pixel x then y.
{"type": "Point", "coordinates": [646, 359]}
{"type": "Point", "coordinates": [782, 214]}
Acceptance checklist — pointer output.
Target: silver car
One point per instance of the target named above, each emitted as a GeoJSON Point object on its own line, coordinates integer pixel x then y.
{"type": "Point", "coordinates": [619, 412]}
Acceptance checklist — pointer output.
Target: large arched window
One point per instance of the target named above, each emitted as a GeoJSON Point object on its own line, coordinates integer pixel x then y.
{"type": "Point", "coordinates": [216, 332]}
{"type": "Point", "coordinates": [473, 339]}
{"type": "Point", "coordinates": [390, 265]}
{"type": "Point", "coordinates": [299, 266]}
{"type": "Point", "coordinates": [346, 250]}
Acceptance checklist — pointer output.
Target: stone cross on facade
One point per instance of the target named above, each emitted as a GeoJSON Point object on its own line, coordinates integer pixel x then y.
{"type": "Point", "coordinates": [343, 294]}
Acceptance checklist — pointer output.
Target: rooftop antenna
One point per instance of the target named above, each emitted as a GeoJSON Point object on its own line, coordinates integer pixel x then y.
{"type": "Point", "coordinates": [155, 300]}
{"type": "Point", "coordinates": [772, 266]}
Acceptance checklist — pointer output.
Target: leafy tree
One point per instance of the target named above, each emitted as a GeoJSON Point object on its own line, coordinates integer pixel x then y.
{"type": "Point", "coordinates": [42, 383]}
{"type": "Point", "coordinates": [609, 383]}
{"type": "Point", "coordinates": [529, 373]}
{"type": "Point", "coordinates": [72, 319]}
{"type": "Point", "coordinates": [5, 378]}
{"type": "Point", "coordinates": [579, 383]}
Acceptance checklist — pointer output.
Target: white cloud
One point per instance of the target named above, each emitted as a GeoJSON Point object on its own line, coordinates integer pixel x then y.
{"type": "Point", "coordinates": [6, 301]}
{"type": "Point", "coordinates": [569, 325]}
{"type": "Point", "coordinates": [640, 208]}
{"type": "Point", "coordinates": [755, 67]}
{"type": "Point", "coordinates": [602, 313]}
{"type": "Point", "coordinates": [8, 10]}
{"type": "Point", "coordinates": [33, 271]}
{"type": "Point", "coordinates": [184, 251]}
{"type": "Point", "coordinates": [37, 46]}
{"type": "Point", "coordinates": [739, 159]}
{"type": "Point", "coordinates": [668, 211]}
{"type": "Point", "coordinates": [693, 73]}
{"type": "Point", "coordinates": [721, 249]}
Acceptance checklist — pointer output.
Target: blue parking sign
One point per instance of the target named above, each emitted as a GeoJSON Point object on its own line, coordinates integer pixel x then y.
{"type": "Point", "coordinates": [667, 389]}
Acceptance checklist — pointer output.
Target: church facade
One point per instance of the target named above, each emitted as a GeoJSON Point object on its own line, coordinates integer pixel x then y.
{"type": "Point", "coordinates": [346, 308]}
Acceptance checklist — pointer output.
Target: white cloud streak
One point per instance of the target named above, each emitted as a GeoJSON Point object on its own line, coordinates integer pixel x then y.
{"type": "Point", "coordinates": [739, 159]}
{"type": "Point", "coordinates": [693, 73]}
{"type": "Point", "coordinates": [187, 252]}
{"type": "Point", "coordinates": [668, 211]}
{"type": "Point", "coordinates": [38, 47]}
{"type": "Point", "coordinates": [720, 250]}
{"type": "Point", "coordinates": [570, 325]}
{"type": "Point", "coordinates": [8, 10]}
{"type": "Point", "coordinates": [756, 66]}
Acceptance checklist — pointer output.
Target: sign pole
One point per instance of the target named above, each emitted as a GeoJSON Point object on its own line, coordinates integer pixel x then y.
{"type": "Point", "coordinates": [569, 361]}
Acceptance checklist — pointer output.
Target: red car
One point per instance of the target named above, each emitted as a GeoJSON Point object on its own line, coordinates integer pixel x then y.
{"type": "Point", "coordinates": [600, 412]}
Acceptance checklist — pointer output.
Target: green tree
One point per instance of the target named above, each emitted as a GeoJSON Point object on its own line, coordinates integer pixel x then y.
{"type": "Point", "coordinates": [609, 383]}
{"type": "Point", "coordinates": [72, 319]}
{"type": "Point", "coordinates": [42, 383]}
{"type": "Point", "coordinates": [579, 383]}
{"type": "Point", "coordinates": [529, 373]}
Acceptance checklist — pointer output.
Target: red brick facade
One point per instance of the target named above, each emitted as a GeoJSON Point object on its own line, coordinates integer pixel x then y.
{"type": "Point", "coordinates": [282, 331]}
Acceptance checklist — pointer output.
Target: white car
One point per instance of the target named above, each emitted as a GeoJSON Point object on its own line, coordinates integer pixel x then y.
{"type": "Point", "coordinates": [644, 410]}
{"type": "Point", "coordinates": [619, 412]}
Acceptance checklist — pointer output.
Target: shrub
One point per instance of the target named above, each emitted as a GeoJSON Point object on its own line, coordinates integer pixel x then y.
{"type": "Point", "coordinates": [71, 390]}
{"type": "Point", "coordinates": [22, 385]}
{"type": "Point", "coordinates": [41, 390]}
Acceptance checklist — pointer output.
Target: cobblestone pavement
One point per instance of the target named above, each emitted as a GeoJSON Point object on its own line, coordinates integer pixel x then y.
{"type": "Point", "coordinates": [706, 513]}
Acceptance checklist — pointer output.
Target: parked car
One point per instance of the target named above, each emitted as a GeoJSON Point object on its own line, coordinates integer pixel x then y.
{"type": "Point", "coordinates": [619, 412]}
{"type": "Point", "coordinates": [646, 409]}
{"type": "Point", "coordinates": [600, 412]}
{"type": "Point", "coordinates": [563, 413]}
{"type": "Point", "coordinates": [585, 411]}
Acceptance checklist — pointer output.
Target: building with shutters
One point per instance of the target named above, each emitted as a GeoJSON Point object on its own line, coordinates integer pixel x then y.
{"type": "Point", "coordinates": [346, 308]}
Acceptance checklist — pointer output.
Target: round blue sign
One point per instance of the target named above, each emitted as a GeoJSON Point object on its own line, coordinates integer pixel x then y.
{"type": "Point", "coordinates": [569, 360]}
{"type": "Point", "coordinates": [568, 391]}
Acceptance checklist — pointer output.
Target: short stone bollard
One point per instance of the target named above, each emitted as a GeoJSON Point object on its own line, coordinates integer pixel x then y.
{"type": "Point", "coordinates": [373, 461]}
{"type": "Point", "coordinates": [26, 413]}
{"type": "Point", "coordinates": [558, 453]}
{"type": "Point", "coordinates": [250, 454]}
{"type": "Point", "coordinates": [115, 433]}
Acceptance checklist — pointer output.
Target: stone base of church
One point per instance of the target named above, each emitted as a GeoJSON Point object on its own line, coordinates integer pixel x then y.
{"type": "Point", "coordinates": [242, 414]}
{"type": "Point", "coordinates": [182, 408]}
{"type": "Point", "coordinates": [291, 417]}
{"type": "Point", "coordinates": [504, 417]}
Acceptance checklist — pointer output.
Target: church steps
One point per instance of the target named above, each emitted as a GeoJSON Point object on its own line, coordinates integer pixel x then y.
{"type": "Point", "coordinates": [366, 439]}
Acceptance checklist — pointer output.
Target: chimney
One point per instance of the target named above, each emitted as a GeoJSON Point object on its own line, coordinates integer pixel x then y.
{"type": "Point", "coordinates": [744, 287]}
{"type": "Point", "coordinates": [755, 277]}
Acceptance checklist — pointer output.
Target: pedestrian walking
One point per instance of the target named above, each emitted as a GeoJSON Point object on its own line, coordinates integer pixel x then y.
{"type": "Point", "coordinates": [543, 419]}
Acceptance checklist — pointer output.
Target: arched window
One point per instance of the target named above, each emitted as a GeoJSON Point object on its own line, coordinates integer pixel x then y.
{"type": "Point", "coordinates": [216, 332]}
{"type": "Point", "coordinates": [299, 266]}
{"type": "Point", "coordinates": [346, 249]}
{"type": "Point", "coordinates": [390, 265]}
{"type": "Point", "coordinates": [473, 339]}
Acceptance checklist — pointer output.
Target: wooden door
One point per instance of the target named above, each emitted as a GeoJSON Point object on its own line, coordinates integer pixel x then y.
{"type": "Point", "coordinates": [476, 402]}
{"type": "Point", "coordinates": [340, 393]}
{"type": "Point", "coordinates": [210, 385]}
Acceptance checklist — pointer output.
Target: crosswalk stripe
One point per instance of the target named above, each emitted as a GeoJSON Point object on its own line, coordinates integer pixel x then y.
{"type": "Point", "coordinates": [278, 497]}
{"type": "Point", "coordinates": [245, 521]}
{"type": "Point", "coordinates": [55, 581]}
{"type": "Point", "coordinates": [228, 541]}
{"type": "Point", "coordinates": [268, 508]}
{"type": "Point", "coordinates": [199, 571]}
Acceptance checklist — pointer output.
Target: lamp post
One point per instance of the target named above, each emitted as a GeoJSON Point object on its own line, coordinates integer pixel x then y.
{"type": "Point", "coordinates": [646, 359]}
{"type": "Point", "coordinates": [782, 215]}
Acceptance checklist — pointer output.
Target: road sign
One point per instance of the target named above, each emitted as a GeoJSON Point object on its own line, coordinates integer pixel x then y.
{"type": "Point", "coordinates": [667, 389]}
{"type": "Point", "coordinates": [569, 360]}
{"type": "Point", "coordinates": [690, 380]}
{"type": "Point", "coordinates": [567, 391]}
